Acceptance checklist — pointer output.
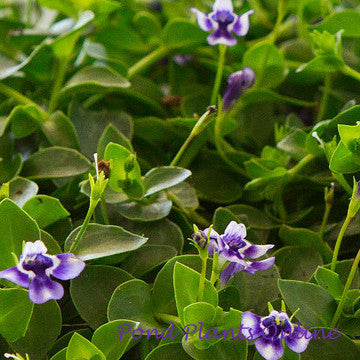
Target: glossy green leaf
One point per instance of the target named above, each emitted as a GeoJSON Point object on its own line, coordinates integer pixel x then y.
{"type": "Point", "coordinates": [81, 348]}
{"type": "Point", "coordinates": [55, 162]}
{"type": "Point", "coordinates": [45, 210]}
{"type": "Point", "coordinates": [21, 190]}
{"type": "Point", "coordinates": [173, 351]}
{"type": "Point", "coordinates": [100, 241]}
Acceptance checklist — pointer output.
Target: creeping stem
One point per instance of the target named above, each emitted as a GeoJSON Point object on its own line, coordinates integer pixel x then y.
{"type": "Point", "coordinates": [203, 256]}
{"type": "Point", "coordinates": [346, 290]}
{"type": "Point", "coordinates": [167, 318]}
{"type": "Point", "coordinates": [201, 124]}
{"type": "Point", "coordinates": [219, 74]}
{"type": "Point", "coordinates": [215, 268]}
{"type": "Point", "coordinates": [147, 61]}
{"type": "Point", "coordinates": [347, 70]}
{"type": "Point", "coordinates": [92, 206]}
{"type": "Point", "coordinates": [339, 240]}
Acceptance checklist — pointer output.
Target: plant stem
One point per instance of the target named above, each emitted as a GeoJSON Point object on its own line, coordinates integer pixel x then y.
{"type": "Point", "coordinates": [347, 70]}
{"type": "Point", "coordinates": [167, 318]}
{"type": "Point", "coordinates": [219, 73]}
{"type": "Point", "coordinates": [301, 164]}
{"type": "Point", "coordinates": [342, 181]}
{"type": "Point", "coordinates": [147, 61]}
{"type": "Point", "coordinates": [346, 290]}
{"type": "Point", "coordinates": [104, 211]}
{"type": "Point", "coordinates": [325, 218]}
{"type": "Point", "coordinates": [92, 206]}
{"type": "Point", "coordinates": [201, 124]}
{"type": "Point", "coordinates": [60, 76]}
{"type": "Point", "coordinates": [324, 98]}
{"type": "Point", "coordinates": [202, 277]}
{"type": "Point", "coordinates": [215, 268]}
{"type": "Point", "coordinates": [339, 240]}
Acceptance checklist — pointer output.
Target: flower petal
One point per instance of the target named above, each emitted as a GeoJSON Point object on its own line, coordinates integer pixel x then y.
{"type": "Point", "coordinates": [16, 276]}
{"type": "Point", "coordinates": [34, 248]}
{"type": "Point", "coordinates": [42, 289]}
{"type": "Point", "coordinates": [269, 349]}
{"type": "Point", "coordinates": [241, 25]}
{"type": "Point", "coordinates": [223, 5]}
{"type": "Point", "coordinates": [220, 245]}
{"type": "Point", "coordinates": [203, 20]}
{"type": "Point", "coordinates": [255, 251]}
{"type": "Point", "coordinates": [69, 267]}
{"type": "Point", "coordinates": [232, 269]}
{"type": "Point", "coordinates": [259, 265]}
{"type": "Point", "coordinates": [250, 325]}
{"type": "Point", "coordinates": [221, 37]}
{"type": "Point", "coordinates": [299, 340]}
{"type": "Point", "coordinates": [235, 229]}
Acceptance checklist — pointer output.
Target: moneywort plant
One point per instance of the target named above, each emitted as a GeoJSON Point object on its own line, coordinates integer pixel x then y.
{"type": "Point", "coordinates": [179, 180]}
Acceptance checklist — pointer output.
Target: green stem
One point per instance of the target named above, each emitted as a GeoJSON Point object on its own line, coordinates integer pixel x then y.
{"type": "Point", "coordinates": [167, 318]}
{"type": "Point", "coordinates": [104, 211]}
{"type": "Point", "coordinates": [202, 277]}
{"type": "Point", "coordinates": [60, 76]}
{"type": "Point", "coordinates": [215, 268]}
{"type": "Point", "coordinates": [219, 74]}
{"type": "Point", "coordinates": [339, 240]}
{"type": "Point", "coordinates": [92, 206]}
{"type": "Point", "coordinates": [301, 164]}
{"type": "Point", "coordinates": [147, 61]}
{"type": "Point", "coordinates": [346, 290]}
{"type": "Point", "coordinates": [324, 98]}
{"type": "Point", "coordinates": [201, 124]}
{"type": "Point", "coordinates": [347, 70]}
{"type": "Point", "coordinates": [325, 218]}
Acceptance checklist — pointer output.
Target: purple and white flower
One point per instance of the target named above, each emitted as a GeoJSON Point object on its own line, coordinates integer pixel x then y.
{"type": "Point", "coordinates": [269, 331]}
{"type": "Point", "coordinates": [238, 83]}
{"type": "Point", "coordinates": [223, 22]}
{"type": "Point", "coordinates": [232, 246]}
{"type": "Point", "coordinates": [35, 268]}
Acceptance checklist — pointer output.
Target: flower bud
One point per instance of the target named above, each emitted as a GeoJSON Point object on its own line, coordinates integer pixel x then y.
{"type": "Point", "coordinates": [200, 238]}
{"type": "Point", "coordinates": [98, 187]}
{"type": "Point", "coordinates": [329, 194]}
{"type": "Point", "coordinates": [130, 163]}
{"type": "Point", "coordinates": [238, 83]}
{"type": "Point", "coordinates": [354, 205]}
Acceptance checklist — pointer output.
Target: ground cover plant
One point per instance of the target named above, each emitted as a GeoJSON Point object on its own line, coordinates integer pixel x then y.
{"type": "Point", "coordinates": [179, 179]}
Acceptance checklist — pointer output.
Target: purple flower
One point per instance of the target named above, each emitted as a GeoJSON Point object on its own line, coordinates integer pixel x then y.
{"type": "Point", "coordinates": [232, 246]}
{"type": "Point", "coordinates": [238, 83]}
{"type": "Point", "coordinates": [34, 270]}
{"type": "Point", "coordinates": [223, 20]}
{"type": "Point", "coordinates": [269, 332]}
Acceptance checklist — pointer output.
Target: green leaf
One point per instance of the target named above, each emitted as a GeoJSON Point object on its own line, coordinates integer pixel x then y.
{"type": "Point", "coordinates": [60, 131]}
{"type": "Point", "coordinates": [60, 355]}
{"type": "Point", "coordinates": [94, 79]}
{"type": "Point", "coordinates": [21, 190]}
{"type": "Point", "coordinates": [45, 210]}
{"type": "Point", "coordinates": [267, 62]}
{"type": "Point", "coordinates": [55, 162]}
{"type": "Point", "coordinates": [99, 241]}
{"type": "Point", "coordinates": [330, 348]}
{"type": "Point", "coordinates": [117, 156]}
{"type": "Point", "coordinates": [306, 238]}
{"type": "Point", "coordinates": [350, 137]}
{"type": "Point", "coordinates": [344, 161]}
{"type": "Point", "coordinates": [51, 244]}
{"type": "Point", "coordinates": [90, 125]}
{"type": "Point", "coordinates": [152, 209]}
{"type": "Point", "coordinates": [132, 300]}
{"type": "Point", "coordinates": [112, 135]}
{"type": "Point", "coordinates": [186, 286]}
{"type": "Point", "coordinates": [106, 338]}
{"type": "Point", "coordinates": [256, 289]}
{"type": "Point", "coordinates": [15, 313]}
{"type": "Point", "coordinates": [81, 348]}
{"type": "Point", "coordinates": [180, 33]}
{"type": "Point", "coordinates": [91, 294]}
{"type": "Point", "coordinates": [161, 178]}
{"type": "Point", "coordinates": [15, 227]}
{"type": "Point", "coordinates": [147, 258]}
{"type": "Point", "coordinates": [317, 306]}
{"type": "Point", "coordinates": [347, 20]}
{"type": "Point", "coordinates": [185, 194]}
{"type": "Point", "coordinates": [43, 330]}
{"type": "Point", "coordinates": [330, 281]}
{"type": "Point", "coordinates": [172, 351]}
{"type": "Point", "coordinates": [307, 260]}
